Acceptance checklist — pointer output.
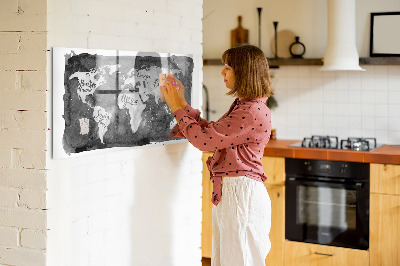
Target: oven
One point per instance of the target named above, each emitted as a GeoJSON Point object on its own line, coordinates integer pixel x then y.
{"type": "Point", "coordinates": [327, 202]}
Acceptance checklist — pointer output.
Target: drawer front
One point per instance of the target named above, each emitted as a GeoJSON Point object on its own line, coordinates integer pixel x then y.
{"type": "Point", "coordinates": [297, 253]}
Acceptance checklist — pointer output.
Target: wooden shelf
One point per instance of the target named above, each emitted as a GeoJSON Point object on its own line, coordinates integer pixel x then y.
{"type": "Point", "coordinates": [274, 63]}
{"type": "Point", "coordinates": [380, 61]}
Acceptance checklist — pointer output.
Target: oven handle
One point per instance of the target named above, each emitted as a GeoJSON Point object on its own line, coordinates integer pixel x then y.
{"type": "Point", "coordinates": [357, 185]}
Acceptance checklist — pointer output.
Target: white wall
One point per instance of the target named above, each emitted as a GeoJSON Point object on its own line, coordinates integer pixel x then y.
{"type": "Point", "coordinates": [133, 206]}
{"type": "Point", "coordinates": [311, 102]}
{"type": "Point", "coordinates": [304, 18]}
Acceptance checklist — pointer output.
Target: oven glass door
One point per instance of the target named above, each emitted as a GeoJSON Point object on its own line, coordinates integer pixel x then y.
{"type": "Point", "coordinates": [326, 213]}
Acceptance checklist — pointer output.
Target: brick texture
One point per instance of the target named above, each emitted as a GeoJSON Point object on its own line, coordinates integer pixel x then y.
{"type": "Point", "coordinates": [23, 126]}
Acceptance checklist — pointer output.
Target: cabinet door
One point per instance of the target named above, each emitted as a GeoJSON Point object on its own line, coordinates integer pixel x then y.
{"type": "Point", "coordinates": [206, 232]}
{"type": "Point", "coordinates": [384, 230]}
{"type": "Point", "coordinates": [277, 233]}
{"type": "Point", "coordinates": [274, 168]}
{"type": "Point", "coordinates": [385, 178]}
{"type": "Point", "coordinates": [304, 254]}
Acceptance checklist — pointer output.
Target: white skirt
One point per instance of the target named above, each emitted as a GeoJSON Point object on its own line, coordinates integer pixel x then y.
{"type": "Point", "coordinates": [241, 223]}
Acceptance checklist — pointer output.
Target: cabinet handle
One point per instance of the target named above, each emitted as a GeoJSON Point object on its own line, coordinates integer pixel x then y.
{"type": "Point", "coordinates": [324, 254]}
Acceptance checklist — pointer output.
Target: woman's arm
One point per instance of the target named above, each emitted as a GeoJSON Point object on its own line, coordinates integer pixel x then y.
{"type": "Point", "coordinates": [174, 94]}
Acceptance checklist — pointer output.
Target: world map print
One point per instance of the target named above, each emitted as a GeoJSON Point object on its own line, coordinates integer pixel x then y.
{"type": "Point", "coordinates": [114, 100]}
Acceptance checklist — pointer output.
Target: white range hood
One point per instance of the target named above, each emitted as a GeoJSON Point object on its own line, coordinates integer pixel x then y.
{"type": "Point", "coordinates": [341, 51]}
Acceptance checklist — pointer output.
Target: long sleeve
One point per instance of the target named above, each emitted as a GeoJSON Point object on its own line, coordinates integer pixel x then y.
{"type": "Point", "coordinates": [193, 113]}
{"type": "Point", "coordinates": [231, 130]}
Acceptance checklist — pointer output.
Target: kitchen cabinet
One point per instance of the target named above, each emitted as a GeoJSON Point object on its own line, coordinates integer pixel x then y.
{"type": "Point", "coordinates": [206, 226]}
{"type": "Point", "coordinates": [385, 178]}
{"type": "Point", "coordinates": [305, 254]}
{"type": "Point", "coordinates": [385, 214]}
{"type": "Point", "coordinates": [274, 168]}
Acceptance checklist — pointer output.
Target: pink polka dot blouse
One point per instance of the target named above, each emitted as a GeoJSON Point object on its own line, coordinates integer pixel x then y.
{"type": "Point", "coordinates": [238, 139]}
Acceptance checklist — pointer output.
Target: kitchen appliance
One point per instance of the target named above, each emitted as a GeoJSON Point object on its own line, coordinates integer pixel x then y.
{"type": "Point", "coordinates": [332, 142]}
{"type": "Point", "coordinates": [327, 202]}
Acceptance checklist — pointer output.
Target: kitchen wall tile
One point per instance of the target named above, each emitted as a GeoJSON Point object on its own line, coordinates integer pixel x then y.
{"type": "Point", "coordinates": [381, 136]}
{"type": "Point", "coordinates": [342, 80]}
{"type": "Point", "coordinates": [317, 131]}
{"type": "Point", "coordinates": [367, 133]}
{"type": "Point", "coordinates": [315, 72]}
{"type": "Point", "coordinates": [278, 83]}
{"type": "Point", "coordinates": [366, 99]}
{"type": "Point", "coordinates": [329, 93]}
{"type": "Point", "coordinates": [317, 108]}
{"type": "Point", "coordinates": [329, 122]}
{"type": "Point", "coordinates": [354, 80]}
{"type": "Point", "coordinates": [328, 74]}
{"type": "Point", "coordinates": [381, 123]}
{"type": "Point", "coordinates": [380, 71]}
{"type": "Point", "coordinates": [317, 120]}
{"type": "Point", "coordinates": [355, 96]}
{"type": "Point", "coordinates": [367, 110]}
{"type": "Point", "coordinates": [394, 97]}
{"type": "Point", "coordinates": [381, 110]}
{"type": "Point", "coordinates": [342, 133]}
{"type": "Point", "coordinates": [278, 71]}
{"type": "Point", "coordinates": [304, 109]}
{"type": "Point", "coordinates": [342, 122]}
{"type": "Point", "coordinates": [329, 109]}
{"type": "Point", "coordinates": [304, 82]}
{"type": "Point", "coordinates": [316, 82]}
{"type": "Point", "coordinates": [381, 97]}
{"type": "Point", "coordinates": [291, 71]}
{"type": "Point", "coordinates": [394, 137]}
{"type": "Point", "coordinates": [317, 95]}
{"type": "Point", "coordinates": [394, 110]}
{"type": "Point", "coordinates": [394, 123]}
{"type": "Point", "coordinates": [394, 82]}
{"type": "Point", "coordinates": [381, 84]}
{"type": "Point", "coordinates": [367, 96]}
{"type": "Point", "coordinates": [355, 109]}
{"type": "Point", "coordinates": [367, 82]}
{"type": "Point", "coordinates": [292, 83]}
{"type": "Point", "coordinates": [304, 72]}
{"type": "Point", "coordinates": [355, 132]}
{"type": "Point", "coordinates": [355, 122]}
{"type": "Point", "coordinates": [342, 109]}
{"type": "Point", "coordinates": [342, 96]}
{"type": "Point", "coordinates": [367, 122]}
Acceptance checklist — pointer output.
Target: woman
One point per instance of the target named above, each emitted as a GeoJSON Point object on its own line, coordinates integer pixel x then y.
{"type": "Point", "coordinates": [242, 208]}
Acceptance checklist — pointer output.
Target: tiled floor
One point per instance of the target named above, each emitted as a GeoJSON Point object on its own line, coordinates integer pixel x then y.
{"type": "Point", "coordinates": [206, 261]}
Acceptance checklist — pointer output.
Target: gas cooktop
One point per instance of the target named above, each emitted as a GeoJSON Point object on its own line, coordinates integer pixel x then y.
{"type": "Point", "coordinates": [332, 142]}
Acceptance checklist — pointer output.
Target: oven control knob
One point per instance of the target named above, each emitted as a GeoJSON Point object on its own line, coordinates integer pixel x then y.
{"type": "Point", "coordinates": [308, 166]}
{"type": "Point", "coordinates": [343, 168]}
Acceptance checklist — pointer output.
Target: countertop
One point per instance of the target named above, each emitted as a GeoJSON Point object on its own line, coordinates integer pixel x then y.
{"type": "Point", "coordinates": [389, 154]}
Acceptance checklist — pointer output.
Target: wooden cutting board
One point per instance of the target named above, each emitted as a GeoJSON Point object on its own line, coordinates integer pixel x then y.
{"type": "Point", "coordinates": [239, 35]}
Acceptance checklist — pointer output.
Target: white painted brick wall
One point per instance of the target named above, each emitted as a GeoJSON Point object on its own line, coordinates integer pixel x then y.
{"type": "Point", "coordinates": [23, 128]}
{"type": "Point", "coordinates": [131, 206]}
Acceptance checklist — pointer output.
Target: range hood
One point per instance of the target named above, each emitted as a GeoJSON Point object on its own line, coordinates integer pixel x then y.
{"type": "Point", "coordinates": [341, 51]}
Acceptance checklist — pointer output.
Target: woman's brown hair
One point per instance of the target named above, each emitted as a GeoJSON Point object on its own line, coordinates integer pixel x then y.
{"type": "Point", "coordinates": [250, 66]}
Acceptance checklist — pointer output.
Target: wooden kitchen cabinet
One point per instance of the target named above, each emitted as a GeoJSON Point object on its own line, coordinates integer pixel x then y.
{"type": "Point", "coordinates": [384, 236]}
{"type": "Point", "coordinates": [274, 168]}
{"type": "Point", "coordinates": [277, 233]}
{"type": "Point", "coordinates": [305, 254]}
{"type": "Point", "coordinates": [206, 225]}
{"type": "Point", "coordinates": [385, 178]}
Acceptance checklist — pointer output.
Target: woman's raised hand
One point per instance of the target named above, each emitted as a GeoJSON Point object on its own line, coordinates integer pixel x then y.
{"type": "Point", "coordinates": [174, 93]}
